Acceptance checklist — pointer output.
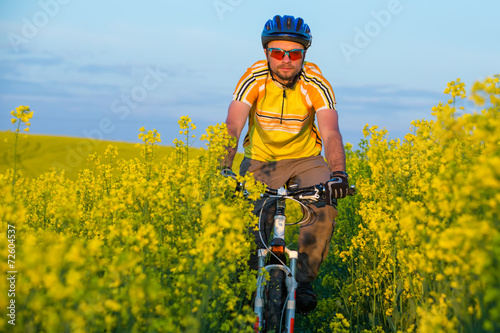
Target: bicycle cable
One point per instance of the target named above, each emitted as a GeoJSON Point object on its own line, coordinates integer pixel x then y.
{"type": "Point", "coordinates": [260, 233]}
{"type": "Point", "coordinates": [304, 219]}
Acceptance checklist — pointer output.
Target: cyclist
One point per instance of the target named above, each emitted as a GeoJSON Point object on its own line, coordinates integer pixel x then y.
{"type": "Point", "coordinates": [281, 97]}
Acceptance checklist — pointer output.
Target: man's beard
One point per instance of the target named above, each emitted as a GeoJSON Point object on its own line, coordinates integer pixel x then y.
{"type": "Point", "coordinates": [289, 78]}
{"type": "Point", "coordinates": [285, 77]}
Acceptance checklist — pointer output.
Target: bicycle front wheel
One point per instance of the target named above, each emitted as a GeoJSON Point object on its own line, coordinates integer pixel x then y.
{"type": "Point", "coordinates": [275, 297]}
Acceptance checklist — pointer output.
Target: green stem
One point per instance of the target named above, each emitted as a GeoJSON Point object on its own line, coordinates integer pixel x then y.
{"type": "Point", "coordinates": [373, 286]}
{"type": "Point", "coordinates": [187, 146]}
{"type": "Point", "coordinates": [15, 156]}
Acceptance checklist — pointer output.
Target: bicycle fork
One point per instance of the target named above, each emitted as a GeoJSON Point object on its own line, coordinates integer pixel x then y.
{"type": "Point", "coordinates": [277, 249]}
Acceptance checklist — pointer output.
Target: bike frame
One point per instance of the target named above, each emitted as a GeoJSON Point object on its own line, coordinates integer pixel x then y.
{"type": "Point", "coordinates": [277, 248]}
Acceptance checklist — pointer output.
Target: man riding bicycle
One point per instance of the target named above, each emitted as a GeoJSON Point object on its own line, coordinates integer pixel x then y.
{"type": "Point", "coordinates": [281, 97]}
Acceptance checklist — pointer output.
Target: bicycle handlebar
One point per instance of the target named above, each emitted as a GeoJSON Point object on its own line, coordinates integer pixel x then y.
{"type": "Point", "coordinates": [312, 193]}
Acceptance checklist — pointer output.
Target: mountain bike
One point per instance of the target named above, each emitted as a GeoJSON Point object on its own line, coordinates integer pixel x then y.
{"type": "Point", "coordinates": [274, 303]}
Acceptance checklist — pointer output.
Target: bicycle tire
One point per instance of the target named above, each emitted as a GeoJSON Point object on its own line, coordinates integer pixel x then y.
{"type": "Point", "coordinates": [274, 305]}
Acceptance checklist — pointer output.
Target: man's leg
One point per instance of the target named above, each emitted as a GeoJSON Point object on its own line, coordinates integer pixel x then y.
{"type": "Point", "coordinates": [315, 234]}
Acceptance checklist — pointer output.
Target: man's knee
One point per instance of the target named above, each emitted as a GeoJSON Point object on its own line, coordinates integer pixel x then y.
{"type": "Point", "coordinates": [308, 267]}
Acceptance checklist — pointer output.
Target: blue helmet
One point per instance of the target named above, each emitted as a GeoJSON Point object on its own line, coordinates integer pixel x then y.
{"type": "Point", "coordinates": [287, 28]}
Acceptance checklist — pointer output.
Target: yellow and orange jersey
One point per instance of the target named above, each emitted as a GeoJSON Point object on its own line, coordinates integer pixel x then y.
{"type": "Point", "coordinates": [281, 121]}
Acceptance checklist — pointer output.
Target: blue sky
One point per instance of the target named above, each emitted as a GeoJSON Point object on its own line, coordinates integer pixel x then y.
{"type": "Point", "coordinates": [103, 69]}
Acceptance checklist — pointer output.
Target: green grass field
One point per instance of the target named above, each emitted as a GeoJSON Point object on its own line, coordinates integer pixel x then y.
{"type": "Point", "coordinates": [37, 154]}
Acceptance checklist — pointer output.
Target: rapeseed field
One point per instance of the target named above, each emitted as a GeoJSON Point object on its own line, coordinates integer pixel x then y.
{"type": "Point", "coordinates": [157, 241]}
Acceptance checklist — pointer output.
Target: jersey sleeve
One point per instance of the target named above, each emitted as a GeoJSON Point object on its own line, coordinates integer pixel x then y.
{"type": "Point", "coordinates": [247, 89]}
{"type": "Point", "coordinates": [320, 91]}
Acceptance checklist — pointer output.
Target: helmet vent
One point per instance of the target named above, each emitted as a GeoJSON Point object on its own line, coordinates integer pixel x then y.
{"type": "Point", "coordinates": [277, 20]}
{"type": "Point", "coordinates": [299, 24]}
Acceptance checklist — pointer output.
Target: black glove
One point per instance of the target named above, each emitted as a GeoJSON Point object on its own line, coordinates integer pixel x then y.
{"type": "Point", "coordinates": [337, 186]}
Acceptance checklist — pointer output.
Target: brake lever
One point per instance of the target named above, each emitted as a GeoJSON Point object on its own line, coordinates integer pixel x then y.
{"type": "Point", "coordinates": [311, 195]}
{"type": "Point", "coordinates": [240, 187]}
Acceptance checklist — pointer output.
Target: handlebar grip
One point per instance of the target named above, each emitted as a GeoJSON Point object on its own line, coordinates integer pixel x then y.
{"type": "Point", "coordinates": [271, 191]}
{"type": "Point", "coordinates": [228, 173]}
{"type": "Point", "coordinates": [351, 190]}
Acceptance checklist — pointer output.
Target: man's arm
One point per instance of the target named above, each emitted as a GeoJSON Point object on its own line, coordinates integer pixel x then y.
{"type": "Point", "coordinates": [237, 115]}
{"type": "Point", "coordinates": [328, 123]}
